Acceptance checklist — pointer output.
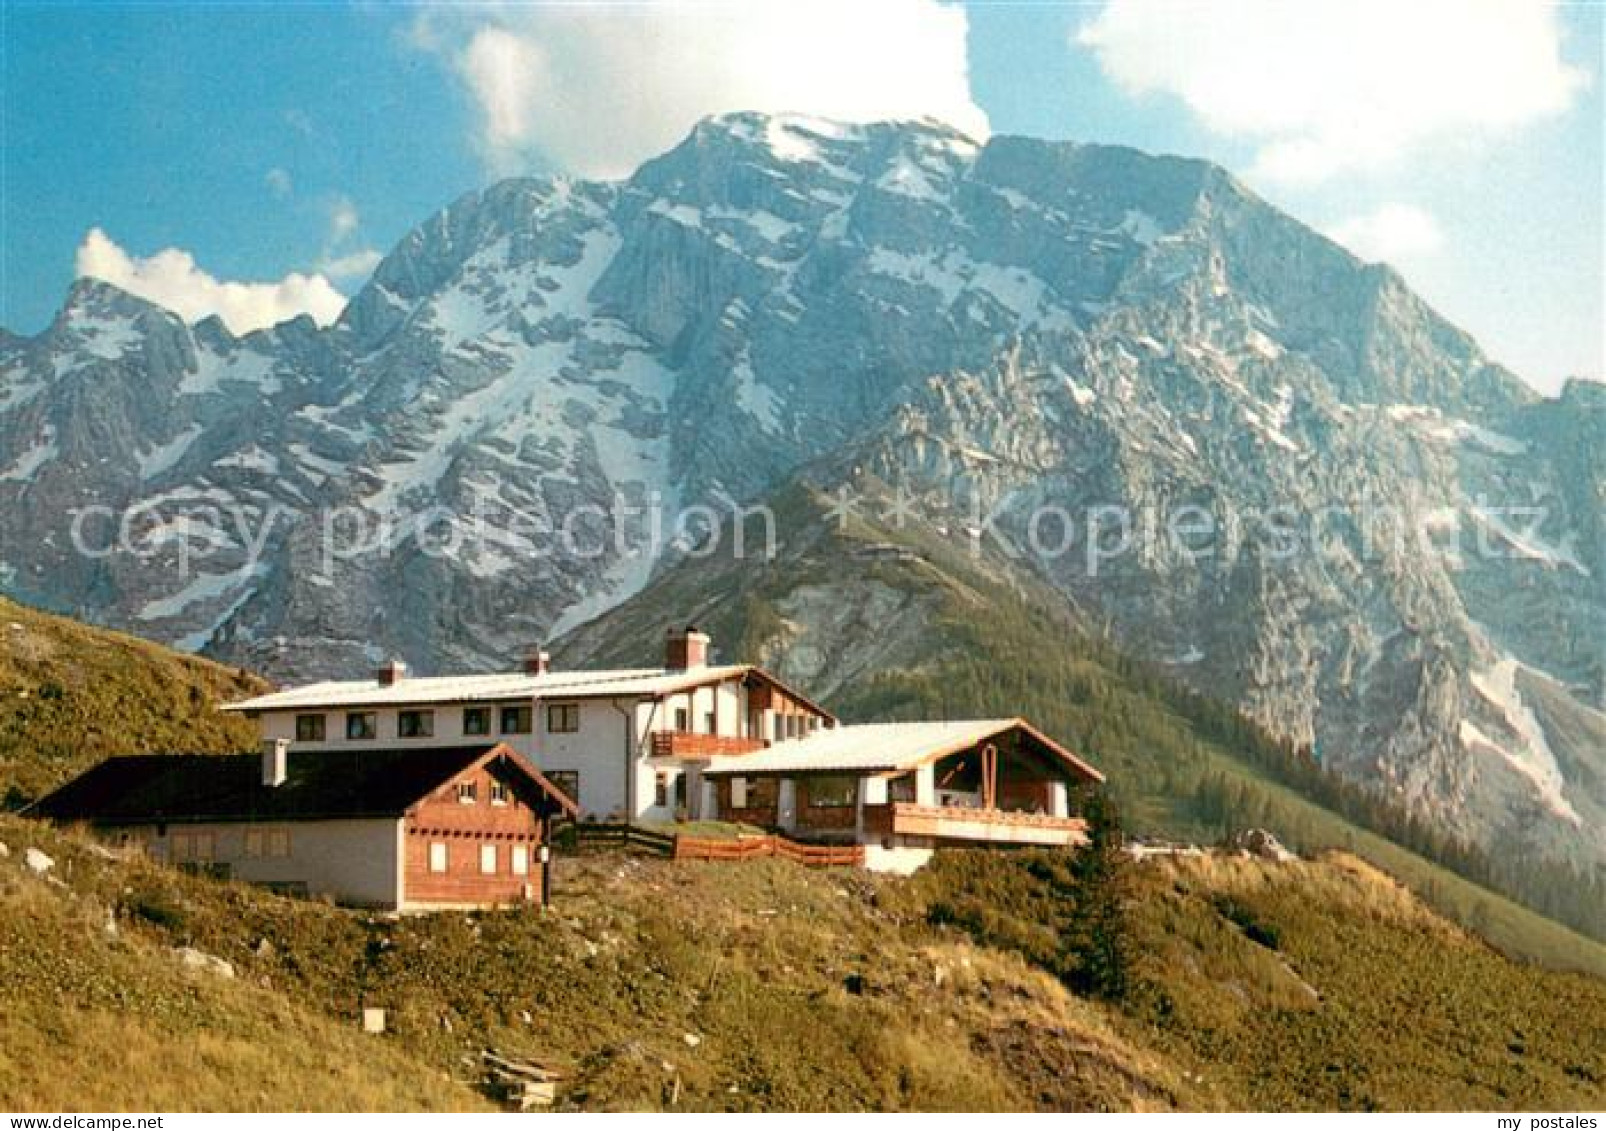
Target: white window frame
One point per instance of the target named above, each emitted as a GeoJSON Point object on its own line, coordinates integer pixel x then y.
{"type": "Point", "coordinates": [520, 860]}
{"type": "Point", "coordinates": [490, 858]}
{"type": "Point", "coordinates": [440, 857]}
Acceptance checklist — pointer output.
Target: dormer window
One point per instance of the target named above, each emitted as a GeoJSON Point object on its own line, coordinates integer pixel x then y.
{"type": "Point", "coordinates": [467, 793]}
{"type": "Point", "coordinates": [499, 793]}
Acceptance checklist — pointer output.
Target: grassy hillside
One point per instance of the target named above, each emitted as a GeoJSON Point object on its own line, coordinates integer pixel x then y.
{"type": "Point", "coordinates": [97, 1014]}
{"type": "Point", "coordinates": [765, 986]}
{"type": "Point", "coordinates": [1312, 985]}
{"type": "Point", "coordinates": [946, 635]}
{"type": "Point", "coordinates": [71, 695]}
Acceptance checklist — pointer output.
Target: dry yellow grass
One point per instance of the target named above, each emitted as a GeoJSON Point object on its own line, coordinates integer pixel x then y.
{"type": "Point", "coordinates": [93, 1019]}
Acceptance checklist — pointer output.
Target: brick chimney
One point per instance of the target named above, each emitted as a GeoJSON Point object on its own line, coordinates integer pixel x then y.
{"type": "Point", "coordinates": [537, 660]}
{"type": "Point", "coordinates": [393, 672]}
{"type": "Point", "coordinates": [685, 648]}
{"type": "Point", "coordinates": [275, 761]}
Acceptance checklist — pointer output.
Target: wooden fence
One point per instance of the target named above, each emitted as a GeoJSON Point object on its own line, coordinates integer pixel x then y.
{"type": "Point", "coordinates": [754, 847]}
{"type": "Point", "coordinates": [678, 846]}
{"type": "Point", "coordinates": [630, 837]}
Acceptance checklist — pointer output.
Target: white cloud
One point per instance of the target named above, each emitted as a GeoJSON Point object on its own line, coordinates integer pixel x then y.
{"type": "Point", "coordinates": [279, 182]}
{"type": "Point", "coordinates": [1330, 86]}
{"type": "Point", "coordinates": [171, 279]}
{"type": "Point", "coordinates": [599, 89]}
{"type": "Point", "coordinates": [352, 265]}
{"type": "Point", "coordinates": [346, 265]}
{"type": "Point", "coordinates": [343, 219]}
{"type": "Point", "coordinates": [1389, 233]}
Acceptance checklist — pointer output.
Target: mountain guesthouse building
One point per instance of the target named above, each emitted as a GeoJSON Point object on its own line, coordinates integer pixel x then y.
{"type": "Point", "coordinates": [415, 791]}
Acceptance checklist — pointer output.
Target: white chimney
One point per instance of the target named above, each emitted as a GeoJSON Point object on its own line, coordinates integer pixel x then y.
{"type": "Point", "coordinates": [537, 660]}
{"type": "Point", "coordinates": [685, 648]}
{"type": "Point", "coordinates": [275, 761]}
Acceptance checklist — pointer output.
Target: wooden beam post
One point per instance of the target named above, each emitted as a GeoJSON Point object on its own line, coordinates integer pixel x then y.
{"type": "Point", "coordinates": [546, 856]}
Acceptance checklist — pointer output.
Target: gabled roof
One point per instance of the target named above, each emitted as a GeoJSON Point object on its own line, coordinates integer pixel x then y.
{"type": "Point", "coordinates": [420, 690]}
{"type": "Point", "coordinates": [876, 747]}
{"type": "Point", "coordinates": [140, 789]}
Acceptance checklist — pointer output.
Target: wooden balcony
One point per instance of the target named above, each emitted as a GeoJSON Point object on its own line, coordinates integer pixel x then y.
{"type": "Point", "coordinates": [995, 826]}
{"type": "Point", "coordinates": [684, 744]}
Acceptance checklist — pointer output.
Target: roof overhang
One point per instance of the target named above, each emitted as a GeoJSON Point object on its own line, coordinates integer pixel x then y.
{"type": "Point", "coordinates": [795, 757]}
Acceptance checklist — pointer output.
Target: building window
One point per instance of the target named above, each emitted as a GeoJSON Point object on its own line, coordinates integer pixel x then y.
{"type": "Point", "coordinates": [738, 793]}
{"type": "Point", "coordinates": [362, 724]}
{"type": "Point", "coordinates": [563, 718]}
{"type": "Point", "coordinates": [476, 720]}
{"type": "Point", "coordinates": [466, 793]}
{"type": "Point", "coordinates": [839, 791]}
{"type": "Point", "coordinates": [516, 720]}
{"type": "Point", "coordinates": [310, 728]}
{"type": "Point", "coordinates": [568, 781]}
{"type": "Point", "coordinates": [711, 722]}
{"type": "Point", "coordinates": [271, 843]}
{"type": "Point", "coordinates": [778, 727]}
{"type": "Point", "coordinates": [660, 789]}
{"type": "Point", "coordinates": [487, 859]}
{"type": "Point", "coordinates": [520, 860]}
{"type": "Point", "coordinates": [438, 857]}
{"type": "Point", "coordinates": [762, 793]}
{"type": "Point", "coordinates": [499, 793]}
{"type": "Point", "coordinates": [415, 724]}
{"type": "Point", "coordinates": [192, 848]}
{"type": "Point", "coordinates": [682, 719]}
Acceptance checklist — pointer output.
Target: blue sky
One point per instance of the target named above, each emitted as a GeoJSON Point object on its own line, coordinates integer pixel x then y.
{"type": "Point", "coordinates": [287, 146]}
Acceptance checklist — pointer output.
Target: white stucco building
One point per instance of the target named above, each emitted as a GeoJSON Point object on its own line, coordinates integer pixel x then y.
{"type": "Point", "coordinates": [625, 744]}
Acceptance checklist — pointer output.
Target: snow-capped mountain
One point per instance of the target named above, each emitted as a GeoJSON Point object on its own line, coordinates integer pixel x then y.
{"type": "Point", "coordinates": [1033, 339]}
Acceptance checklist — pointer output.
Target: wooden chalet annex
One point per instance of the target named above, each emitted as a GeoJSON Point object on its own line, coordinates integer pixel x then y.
{"type": "Point", "coordinates": [388, 828]}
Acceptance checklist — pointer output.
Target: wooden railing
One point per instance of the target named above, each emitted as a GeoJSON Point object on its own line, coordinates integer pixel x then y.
{"type": "Point", "coordinates": [678, 846]}
{"type": "Point", "coordinates": [755, 847]}
{"type": "Point", "coordinates": [628, 837]}
{"type": "Point", "coordinates": [989, 816]}
{"type": "Point", "coordinates": [961, 823]}
{"type": "Point", "coordinates": [673, 743]}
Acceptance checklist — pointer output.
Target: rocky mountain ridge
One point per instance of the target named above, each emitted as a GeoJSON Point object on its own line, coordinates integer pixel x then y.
{"type": "Point", "coordinates": [1389, 547]}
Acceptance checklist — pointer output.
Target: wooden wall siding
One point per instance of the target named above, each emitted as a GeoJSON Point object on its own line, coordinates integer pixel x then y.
{"type": "Point", "coordinates": [464, 828]}
{"type": "Point", "coordinates": [878, 821]}
{"type": "Point", "coordinates": [1026, 796]}
{"type": "Point", "coordinates": [762, 696]}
